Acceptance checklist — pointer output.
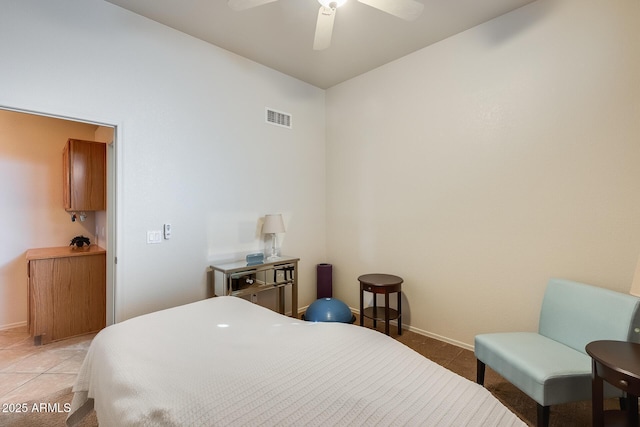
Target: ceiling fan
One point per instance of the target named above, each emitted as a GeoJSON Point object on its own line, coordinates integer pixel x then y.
{"type": "Point", "coordinates": [404, 9]}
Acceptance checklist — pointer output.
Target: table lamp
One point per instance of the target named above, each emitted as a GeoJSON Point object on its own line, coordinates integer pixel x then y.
{"type": "Point", "coordinates": [635, 285]}
{"type": "Point", "coordinates": [273, 224]}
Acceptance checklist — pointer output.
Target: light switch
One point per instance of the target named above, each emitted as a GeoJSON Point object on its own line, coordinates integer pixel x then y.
{"type": "Point", "coordinates": [167, 231]}
{"type": "Point", "coordinates": [154, 236]}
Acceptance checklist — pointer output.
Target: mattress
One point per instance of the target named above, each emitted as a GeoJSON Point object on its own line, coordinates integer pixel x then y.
{"type": "Point", "coordinates": [226, 362]}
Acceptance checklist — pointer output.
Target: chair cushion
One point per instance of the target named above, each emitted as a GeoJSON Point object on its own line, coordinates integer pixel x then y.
{"type": "Point", "coordinates": [546, 370]}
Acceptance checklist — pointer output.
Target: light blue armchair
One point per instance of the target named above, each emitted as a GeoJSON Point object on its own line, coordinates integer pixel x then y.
{"type": "Point", "coordinates": [551, 366]}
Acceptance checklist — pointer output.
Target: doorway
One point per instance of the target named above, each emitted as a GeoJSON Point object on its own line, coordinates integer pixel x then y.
{"type": "Point", "coordinates": [30, 204]}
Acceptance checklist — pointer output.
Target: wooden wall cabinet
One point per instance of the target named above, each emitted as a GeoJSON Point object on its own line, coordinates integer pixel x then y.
{"type": "Point", "coordinates": [67, 292]}
{"type": "Point", "coordinates": [85, 175]}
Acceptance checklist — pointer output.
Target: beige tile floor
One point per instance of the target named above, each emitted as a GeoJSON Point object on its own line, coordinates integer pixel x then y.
{"type": "Point", "coordinates": [28, 372]}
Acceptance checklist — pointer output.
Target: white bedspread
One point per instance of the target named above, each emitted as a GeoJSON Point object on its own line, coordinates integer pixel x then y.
{"type": "Point", "coordinates": [224, 361]}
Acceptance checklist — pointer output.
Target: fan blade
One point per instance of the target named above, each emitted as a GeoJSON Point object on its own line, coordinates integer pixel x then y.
{"type": "Point", "coordinates": [324, 28]}
{"type": "Point", "coordinates": [239, 5]}
{"type": "Point", "coordinates": [408, 10]}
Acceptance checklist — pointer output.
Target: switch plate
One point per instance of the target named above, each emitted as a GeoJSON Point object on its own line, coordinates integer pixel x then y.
{"type": "Point", "coordinates": [167, 231]}
{"type": "Point", "coordinates": [154, 236]}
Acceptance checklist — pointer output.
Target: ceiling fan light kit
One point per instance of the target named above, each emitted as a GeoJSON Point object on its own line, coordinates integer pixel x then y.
{"type": "Point", "coordinates": [408, 10]}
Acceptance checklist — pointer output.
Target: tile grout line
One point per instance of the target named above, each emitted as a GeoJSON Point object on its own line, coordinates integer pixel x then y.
{"type": "Point", "coordinates": [59, 350]}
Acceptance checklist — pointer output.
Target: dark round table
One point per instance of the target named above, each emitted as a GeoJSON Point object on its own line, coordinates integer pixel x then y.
{"type": "Point", "coordinates": [381, 284]}
{"type": "Point", "coordinates": [618, 363]}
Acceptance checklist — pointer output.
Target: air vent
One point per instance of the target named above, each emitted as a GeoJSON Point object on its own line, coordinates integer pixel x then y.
{"type": "Point", "coordinates": [278, 118]}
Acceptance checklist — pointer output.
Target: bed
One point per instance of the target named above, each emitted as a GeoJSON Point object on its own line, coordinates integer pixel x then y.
{"type": "Point", "coordinates": [225, 361]}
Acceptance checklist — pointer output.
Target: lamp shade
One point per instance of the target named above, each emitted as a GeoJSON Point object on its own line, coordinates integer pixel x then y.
{"type": "Point", "coordinates": [635, 285]}
{"type": "Point", "coordinates": [273, 224]}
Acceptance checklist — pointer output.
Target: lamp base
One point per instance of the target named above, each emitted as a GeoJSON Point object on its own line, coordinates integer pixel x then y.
{"type": "Point", "coordinates": [274, 248]}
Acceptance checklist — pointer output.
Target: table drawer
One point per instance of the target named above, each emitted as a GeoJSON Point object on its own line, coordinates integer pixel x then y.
{"type": "Point", "coordinates": [381, 289]}
{"type": "Point", "coordinates": [618, 379]}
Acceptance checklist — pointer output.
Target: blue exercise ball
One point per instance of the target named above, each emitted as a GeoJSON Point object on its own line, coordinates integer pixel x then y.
{"type": "Point", "coordinates": [329, 310]}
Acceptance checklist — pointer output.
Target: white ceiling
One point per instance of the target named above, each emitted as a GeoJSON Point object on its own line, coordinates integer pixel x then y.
{"type": "Point", "coordinates": [280, 34]}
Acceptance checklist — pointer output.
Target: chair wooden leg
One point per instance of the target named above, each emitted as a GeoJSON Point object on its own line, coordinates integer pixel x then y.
{"type": "Point", "coordinates": [543, 416]}
{"type": "Point", "coordinates": [480, 368]}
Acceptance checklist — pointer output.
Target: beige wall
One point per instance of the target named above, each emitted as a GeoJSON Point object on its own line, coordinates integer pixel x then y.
{"type": "Point", "coordinates": [31, 207]}
{"type": "Point", "coordinates": [481, 166]}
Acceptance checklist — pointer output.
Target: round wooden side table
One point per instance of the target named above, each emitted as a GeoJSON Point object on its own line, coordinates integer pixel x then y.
{"type": "Point", "coordinates": [381, 284]}
{"type": "Point", "coordinates": [618, 363]}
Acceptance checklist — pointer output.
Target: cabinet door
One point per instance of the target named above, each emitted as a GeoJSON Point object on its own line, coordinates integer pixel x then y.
{"type": "Point", "coordinates": [85, 175]}
{"type": "Point", "coordinates": [67, 296]}
{"type": "Point", "coordinates": [78, 295]}
{"type": "Point", "coordinates": [41, 298]}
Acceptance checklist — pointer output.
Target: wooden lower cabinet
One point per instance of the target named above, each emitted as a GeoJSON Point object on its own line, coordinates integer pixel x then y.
{"type": "Point", "coordinates": [67, 292]}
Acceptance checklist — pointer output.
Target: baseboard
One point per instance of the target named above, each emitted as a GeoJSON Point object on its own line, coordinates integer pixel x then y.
{"type": "Point", "coordinates": [441, 338]}
{"type": "Point", "coordinates": [13, 325]}
{"type": "Point", "coordinates": [427, 334]}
